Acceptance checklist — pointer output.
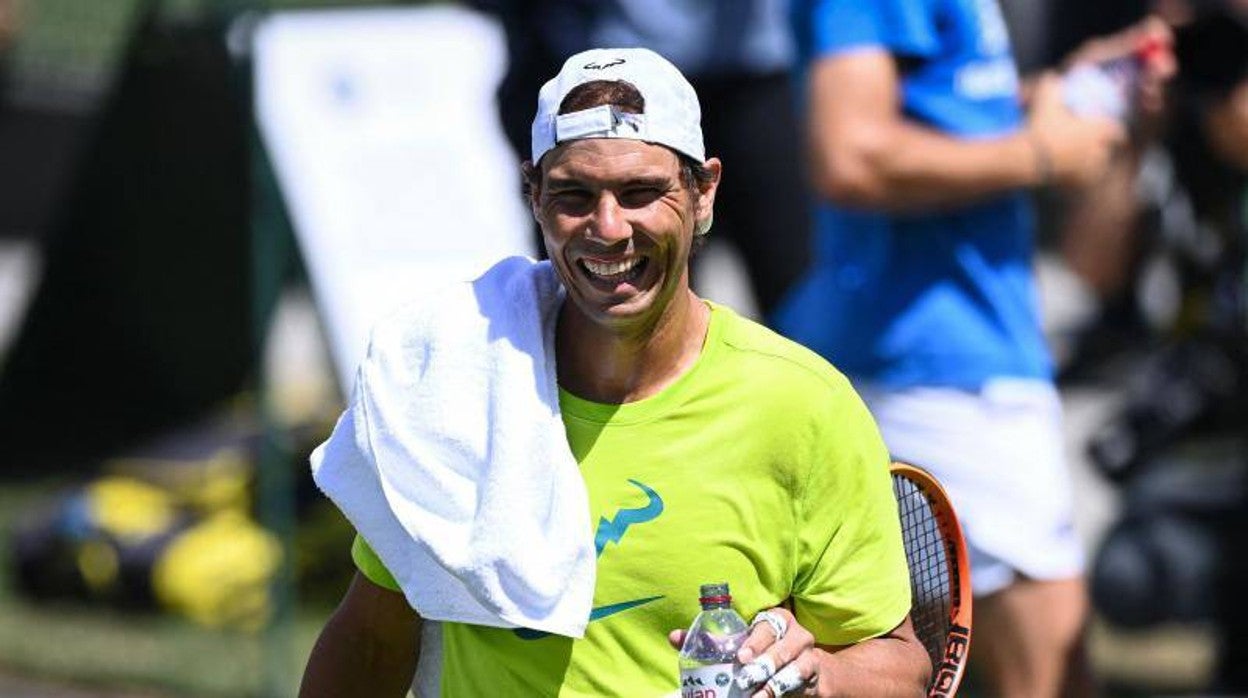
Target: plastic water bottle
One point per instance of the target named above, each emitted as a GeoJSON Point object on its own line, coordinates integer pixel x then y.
{"type": "Point", "coordinates": [1102, 89]}
{"type": "Point", "coordinates": [708, 658]}
{"type": "Point", "coordinates": [1108, 88]}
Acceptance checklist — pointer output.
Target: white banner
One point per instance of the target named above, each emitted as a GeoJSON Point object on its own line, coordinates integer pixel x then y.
{"type": "Point", "coordinates": [382, 129]}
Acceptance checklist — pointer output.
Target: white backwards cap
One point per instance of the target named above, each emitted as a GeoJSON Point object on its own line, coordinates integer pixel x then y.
{"type": "Point", "coordinates": [672, 116]}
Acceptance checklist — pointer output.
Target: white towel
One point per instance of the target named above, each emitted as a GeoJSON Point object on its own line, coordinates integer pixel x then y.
{"type": "Point", "coordinates": [453, 463]}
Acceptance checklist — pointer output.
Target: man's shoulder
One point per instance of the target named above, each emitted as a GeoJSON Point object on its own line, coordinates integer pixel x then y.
{"type": "Point", "coordinates": [772, 359]}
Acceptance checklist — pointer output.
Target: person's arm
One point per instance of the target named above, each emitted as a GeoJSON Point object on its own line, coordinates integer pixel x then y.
{"type": "Point", "coordinates": [866, 153]}
{"type": "Point", "coordinates": [894, 664]}
{"type": "Point", "coordinates": [369, 647]}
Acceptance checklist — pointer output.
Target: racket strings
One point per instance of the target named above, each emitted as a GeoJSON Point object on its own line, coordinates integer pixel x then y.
{"type": "Point", "coordinates": [927, 556]}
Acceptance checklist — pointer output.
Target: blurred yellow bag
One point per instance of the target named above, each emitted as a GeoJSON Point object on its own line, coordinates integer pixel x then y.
{"type": "Point", "coordinates": [127, 543]}
{"type": "Point", "coordinates": [217, 572]}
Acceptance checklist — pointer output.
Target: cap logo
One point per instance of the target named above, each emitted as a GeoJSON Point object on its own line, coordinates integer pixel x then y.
{"type": "Point", "coordinates": [617, 121]}
{"type": "Point", "coordinates": [672, 116]}
{"type": "Point", "coordinates": [603, 66]}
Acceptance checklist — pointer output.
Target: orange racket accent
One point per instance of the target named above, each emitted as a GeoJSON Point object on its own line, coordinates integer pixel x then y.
{"type": "Point", "coordinates": [940, 574]}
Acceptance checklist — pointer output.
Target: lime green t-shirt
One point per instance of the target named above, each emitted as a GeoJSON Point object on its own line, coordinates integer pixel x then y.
{"type": "Point", "coordinates": [759, 467]}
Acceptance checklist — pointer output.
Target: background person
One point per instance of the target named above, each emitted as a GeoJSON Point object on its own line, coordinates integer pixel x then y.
{"type": "Point", "coordinates": [1174, 553]}
{"type": "Point", "coordinates": [709, 446]}
{"type": "Point", "coordinates": [922, 290]}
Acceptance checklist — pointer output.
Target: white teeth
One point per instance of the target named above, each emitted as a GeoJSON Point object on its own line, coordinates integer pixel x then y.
{"type": "Point", "coordinates": [611, 268]}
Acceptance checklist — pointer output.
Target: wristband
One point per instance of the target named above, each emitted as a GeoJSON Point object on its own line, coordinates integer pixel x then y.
{"type": "Point", "coordinates": [1044, 162]}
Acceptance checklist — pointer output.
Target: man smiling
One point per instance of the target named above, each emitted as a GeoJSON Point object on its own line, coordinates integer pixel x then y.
{"type": "Point", "coordinates": [710, 448]}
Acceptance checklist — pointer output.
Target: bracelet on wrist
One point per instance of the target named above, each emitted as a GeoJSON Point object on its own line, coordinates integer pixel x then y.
{"type": "Point", "coordinates": [1043, 161]}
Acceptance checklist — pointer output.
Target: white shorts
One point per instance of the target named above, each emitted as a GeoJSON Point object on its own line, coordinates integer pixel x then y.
{"type": "Point", "coordinates": [998, 453]}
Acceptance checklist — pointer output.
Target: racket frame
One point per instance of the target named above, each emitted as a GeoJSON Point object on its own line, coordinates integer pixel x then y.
{"type": "Point", "coordinates": [947, 675]}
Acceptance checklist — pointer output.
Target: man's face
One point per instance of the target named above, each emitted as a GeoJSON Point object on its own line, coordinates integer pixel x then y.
{"type": "Point", "coordinates": [618, 223]}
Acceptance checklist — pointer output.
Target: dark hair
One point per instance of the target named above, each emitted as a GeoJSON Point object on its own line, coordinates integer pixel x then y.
{"type": "Point", "coordinates": [624, 96]}
{"type": "Point", "coordinates": [621, 94]}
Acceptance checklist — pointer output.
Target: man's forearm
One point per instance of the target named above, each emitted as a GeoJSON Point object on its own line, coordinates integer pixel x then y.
{"type": "Point", "coordinates": [351, 663]}
{"type": "Point", "coordinates": [868, 153]}
{"type": "Point", "coordinates": [885, 667]}
{"type": "Point", "coordinates": [904, 166]}
{"type": "Point", "coordinates": [370, 646]}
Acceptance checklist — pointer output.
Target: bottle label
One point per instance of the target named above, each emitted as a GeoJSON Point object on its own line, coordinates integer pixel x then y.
{"type": "Point", "coordinates": [710, 681]}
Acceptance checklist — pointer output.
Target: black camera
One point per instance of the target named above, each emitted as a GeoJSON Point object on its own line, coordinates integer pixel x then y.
{"type": "Point", "coordinates": [1193, 385]}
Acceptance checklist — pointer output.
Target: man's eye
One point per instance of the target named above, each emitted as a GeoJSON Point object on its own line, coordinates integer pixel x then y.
{"type": "Point", "coordinates": [569, 196]}
{"type": "Point", "coordinates": [641, 196]}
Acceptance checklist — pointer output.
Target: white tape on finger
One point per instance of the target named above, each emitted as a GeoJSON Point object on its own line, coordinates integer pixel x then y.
{"type": "Point", "coordinates": [786, 681]}
{"type": "Point", "coordinates": [756, 672]}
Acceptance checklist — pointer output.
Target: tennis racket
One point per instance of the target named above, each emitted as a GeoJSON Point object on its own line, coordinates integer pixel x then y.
{"type": "Point", "coordinates": [940, 575]}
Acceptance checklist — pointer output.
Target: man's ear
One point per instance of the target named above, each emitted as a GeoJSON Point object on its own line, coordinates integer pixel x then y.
{"type": "Point", "coordinates": [705, 209]}
{"type": "Point", "coordinates": [532, 178]}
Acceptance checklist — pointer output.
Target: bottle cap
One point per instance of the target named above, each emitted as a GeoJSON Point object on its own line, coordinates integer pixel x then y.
{"type": "Point", "coordinates": [1153, 49]}
{"type": "Point", "coordinates": [715, 594]}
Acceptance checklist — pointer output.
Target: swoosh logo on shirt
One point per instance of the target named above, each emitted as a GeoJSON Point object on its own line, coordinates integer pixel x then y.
{"type": "Point", "coordinates": [612, 531]}
{"type": "Point", "coordinates": [604, 611]}
{"type": "Point", "coordinates": [596, 614]}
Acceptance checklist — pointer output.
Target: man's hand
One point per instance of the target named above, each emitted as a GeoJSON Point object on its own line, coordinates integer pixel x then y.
{"type": "Point", "coordinates": [1075, 151]}
{"type": "Point", "coordinates": [1070, 150]}
{"type": "Point", "coordinates": [781, 658]}
{"type": "Point", "coordinates": [778, 658]}
{"type": "Point", "coordinates": [1151, 39]}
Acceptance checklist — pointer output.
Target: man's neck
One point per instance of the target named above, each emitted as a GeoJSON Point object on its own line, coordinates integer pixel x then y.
{"type": "Point", "coordinates": [598, 364]}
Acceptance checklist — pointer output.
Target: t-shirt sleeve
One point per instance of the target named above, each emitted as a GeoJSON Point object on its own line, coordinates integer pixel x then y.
{"type": "Point", "coordinates": [371, 566]}
{"type": "Point", "coordinates": [905, 27]}
{"type": "Point", "coordinates": [852, 582]}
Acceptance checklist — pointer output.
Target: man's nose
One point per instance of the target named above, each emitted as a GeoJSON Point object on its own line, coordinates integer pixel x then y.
{"type": "Point", "coordinates": [608, 224]}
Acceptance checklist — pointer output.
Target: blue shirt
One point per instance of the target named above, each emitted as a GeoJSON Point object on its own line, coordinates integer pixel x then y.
{"type": "Point", "coordinates": [944, 298]}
